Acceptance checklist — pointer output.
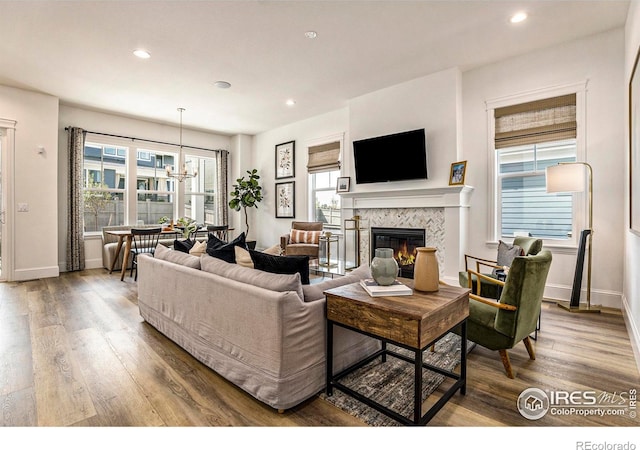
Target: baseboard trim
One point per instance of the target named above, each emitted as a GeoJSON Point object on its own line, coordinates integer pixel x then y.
{"type": "Point", "coordinates": [36, 273]}
{"type": "Point", "coordinates": [608, 299]}
{"type": "Point", "coordinates": [632, 329]}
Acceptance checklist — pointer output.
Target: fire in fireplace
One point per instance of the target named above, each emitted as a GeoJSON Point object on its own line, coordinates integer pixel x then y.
{"type": "Point", "coordinates": [403, 241]}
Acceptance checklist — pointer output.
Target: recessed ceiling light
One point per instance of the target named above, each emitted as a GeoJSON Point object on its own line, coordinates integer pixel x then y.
{"type": "Point", "coordinates": [311, 34]}
{"type": "Point", "coordinates": [290, 102]}
{"type": "Point", "coordinates": [222, 84]}
{"type": "Point", "coordinates": [519, 17]}
{"type": "Point", "coordinates": [142, 54]}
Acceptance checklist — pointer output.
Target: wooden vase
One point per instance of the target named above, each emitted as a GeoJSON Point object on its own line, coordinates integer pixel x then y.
{"type": "Point", "coordinates": [426, 273]}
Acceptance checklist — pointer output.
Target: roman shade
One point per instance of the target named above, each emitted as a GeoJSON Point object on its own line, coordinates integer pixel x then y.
{"type": "Point", "coordinates": [546, 120]}
{"type": "Point", "coordinates": [323, 158]}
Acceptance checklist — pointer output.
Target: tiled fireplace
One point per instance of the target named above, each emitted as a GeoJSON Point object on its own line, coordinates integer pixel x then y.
{"type": "Point", "coordinates": [439, 213]}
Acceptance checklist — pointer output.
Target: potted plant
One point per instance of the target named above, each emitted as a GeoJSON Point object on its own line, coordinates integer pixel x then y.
{"type": "Point", "coordinates": [187, 225]}
{"type": "Point", "coordinates": [247, 193]}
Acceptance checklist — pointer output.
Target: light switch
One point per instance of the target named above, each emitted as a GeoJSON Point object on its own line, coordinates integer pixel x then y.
{"type": "Point", "coordinates": [23, 207]}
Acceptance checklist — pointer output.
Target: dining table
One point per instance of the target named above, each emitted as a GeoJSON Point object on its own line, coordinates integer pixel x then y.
{"type": "Point", "coordinates": [125, 237]}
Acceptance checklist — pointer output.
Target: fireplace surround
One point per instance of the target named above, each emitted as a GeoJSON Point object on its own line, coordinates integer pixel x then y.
{"type": "Point", "coordinates": [442, 212]}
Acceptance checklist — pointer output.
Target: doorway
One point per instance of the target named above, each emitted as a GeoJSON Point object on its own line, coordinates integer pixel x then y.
{"type": "Point", "coordinates": [7, 132]}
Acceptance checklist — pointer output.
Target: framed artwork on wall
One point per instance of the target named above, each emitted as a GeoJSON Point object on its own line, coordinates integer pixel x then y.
{"type": "Point", "coordinates": [634, 147]}
{"type": "Point", "coordinates": [343, 184]}
{"type": "Point", "coordinates": [286, 160]}
{"type": "Point", "coordinates": [286, 200]}
{"type": "Point", "coordinates": [458, 171]}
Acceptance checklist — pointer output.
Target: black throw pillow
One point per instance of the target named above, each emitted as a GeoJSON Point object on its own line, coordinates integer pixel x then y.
{"type": "Point", "coordinates": [182, 246]}
{"type": "Point", "coordinates": [223, 250]}
{"type": "Point", "coordinates": [282, 264]}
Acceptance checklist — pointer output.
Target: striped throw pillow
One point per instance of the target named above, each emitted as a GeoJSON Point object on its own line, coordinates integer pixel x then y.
{"type": "Point", "coordinates": [304, 237]}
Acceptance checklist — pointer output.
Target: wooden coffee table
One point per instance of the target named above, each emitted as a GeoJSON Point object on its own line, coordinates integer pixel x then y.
{"type": "Point", "coordinates": [413, 322]}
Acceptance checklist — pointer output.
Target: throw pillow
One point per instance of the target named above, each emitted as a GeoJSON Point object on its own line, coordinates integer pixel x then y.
{"type": "Point", "coordinates": [243, 258]}
{"type": "Point", "coordinates": [506, 254]}
{"type": "Point", "coordinates": [282, 264]}
{"type": "Point", "coordinates": [273, 250]}
{"type": "Point", "coordinates": [176, 257]}
{"type": "Point", "coordinates": [182, 246]}
{"type": "Point", "coordinates": [199, 247]}
{"type": "Point", "coordinates": [223, 250]}
{"type": "Point", "coordinates": [264, 280]}
{"type": "Point", "coordinates": [304, 237]}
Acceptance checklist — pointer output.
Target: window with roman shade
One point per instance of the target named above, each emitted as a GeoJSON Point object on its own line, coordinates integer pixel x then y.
{"type": "Point", "coordinates": [547, 120]}
{"type": "Point", "coordinates": [324, 158]}
{"type": "Point", "coordinates": [324, 171]}
{"type": "Point", "coordinates": [529, 137]}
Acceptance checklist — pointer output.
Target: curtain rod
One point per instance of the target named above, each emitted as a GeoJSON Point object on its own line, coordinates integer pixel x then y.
{"type": "Point", "coordinates": [149, 140]}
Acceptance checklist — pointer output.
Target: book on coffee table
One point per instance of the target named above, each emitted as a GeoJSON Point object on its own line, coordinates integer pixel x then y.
{"type": "Point", "coordinates": [375, 290]}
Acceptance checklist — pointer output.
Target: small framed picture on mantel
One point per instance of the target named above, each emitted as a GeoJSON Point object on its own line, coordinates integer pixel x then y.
{"type": "Point", "coordinates": [458, 172]}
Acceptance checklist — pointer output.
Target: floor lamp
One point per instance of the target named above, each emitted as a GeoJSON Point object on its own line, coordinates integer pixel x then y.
{"type": "Point", "coordinates": [570, 177]}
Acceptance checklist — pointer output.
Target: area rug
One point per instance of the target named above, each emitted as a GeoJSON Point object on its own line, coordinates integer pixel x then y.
{"type": "Point", "coordinates": [391, 383]}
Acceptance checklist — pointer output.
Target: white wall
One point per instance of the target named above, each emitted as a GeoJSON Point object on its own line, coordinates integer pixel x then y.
{"type": "Point", "coordinates": [600, 60]}
{"type": "Point", "coordinates": [429, 102]}
{"type": "Point", "coordinates": [35, 231]}
{"type": "Point", "coordinates": [264, 226]}
{"type": "Point", "coordinates": [631, 292]}
{"type": "Point", "coordinates": [71, 116]}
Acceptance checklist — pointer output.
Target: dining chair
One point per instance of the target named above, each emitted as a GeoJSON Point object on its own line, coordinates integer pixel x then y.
{"type": "Point", "coordinates": [145, 240]}
{"type": "Point", "coordinates": [219, 231]}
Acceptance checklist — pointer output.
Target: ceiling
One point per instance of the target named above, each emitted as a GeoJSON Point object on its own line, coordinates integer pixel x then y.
{"type": "Point", "coordinates": [81, 51]}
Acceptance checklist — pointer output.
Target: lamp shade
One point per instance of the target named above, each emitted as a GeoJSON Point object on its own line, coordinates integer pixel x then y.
{"type": "Point", "coordinates": [565, 178]}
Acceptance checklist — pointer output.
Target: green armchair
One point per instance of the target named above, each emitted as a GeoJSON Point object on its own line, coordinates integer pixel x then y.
{"type": "Point", "coordinates": [500, 325]}
{"type": "Point", "coordinates": [487, 267]}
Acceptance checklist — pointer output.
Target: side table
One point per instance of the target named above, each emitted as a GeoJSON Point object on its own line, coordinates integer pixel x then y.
{"type": "Point", "coordinates": [413, 322]}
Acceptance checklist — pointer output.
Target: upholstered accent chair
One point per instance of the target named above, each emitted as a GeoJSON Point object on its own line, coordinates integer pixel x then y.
{"type": "Point", "coordinates": [522, 246]}
{"type": "Point", "coordinates": [303, 239]}
{"type": "Point", "coordinates": [501, 324]}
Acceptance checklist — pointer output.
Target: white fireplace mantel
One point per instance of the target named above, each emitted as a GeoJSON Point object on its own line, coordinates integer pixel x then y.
{"type": "Point", "coordinates": [440, 197]}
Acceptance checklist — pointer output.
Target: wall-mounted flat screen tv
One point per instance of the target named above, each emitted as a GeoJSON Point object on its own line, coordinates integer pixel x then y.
{"type": "Point", "coordinates": [394, 157]}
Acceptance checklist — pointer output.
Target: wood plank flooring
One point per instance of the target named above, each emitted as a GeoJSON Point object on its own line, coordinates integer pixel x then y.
{"type": "Point", "coordinates": [75, 352]}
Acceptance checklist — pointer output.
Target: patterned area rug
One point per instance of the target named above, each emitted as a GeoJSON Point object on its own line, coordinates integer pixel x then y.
{"type": "Point", "coordinates": [391, 383]}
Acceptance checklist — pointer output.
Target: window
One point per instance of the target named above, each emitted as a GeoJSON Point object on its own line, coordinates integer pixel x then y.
{"type": "Point", "coordinates": [104, 179]}
{"type": "Point", "coordinates": [129, 184]}
{"type": "Point", "coordinates": [525, 207]}
{"type": "Point", "coordinates": [324, 169]}
{"type": "Point", "coordinates": [201, 199]}
{"type": "Point", "coordinates": [155, 191]}
{"type": "Point", "coordinates": [325, 199]}
{"type": "Point", "coordinates": [528, 138]}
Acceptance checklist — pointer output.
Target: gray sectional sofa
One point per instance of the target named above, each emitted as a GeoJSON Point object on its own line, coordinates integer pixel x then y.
{"type": "Point", "coordinates": [262, 331]}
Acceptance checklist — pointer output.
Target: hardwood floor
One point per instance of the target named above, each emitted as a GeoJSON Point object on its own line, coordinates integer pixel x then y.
{"type": "Point", "coordinates": [75, 352]}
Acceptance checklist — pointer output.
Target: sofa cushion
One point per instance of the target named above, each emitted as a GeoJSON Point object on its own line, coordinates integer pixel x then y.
{"type": "Point", "coordinates": [304, 237]}
{"type": "Point", "coordinates": [176, 257]}
{"type": "Point", "coordinates": [243, 257]}
{"type": "Point", "coordinates": [265, 280]}
{"type": "Point", "coordinates": [313, 292]}
{"type": "Point", "coordinates": [282, 264]}
{"type": "Point", "coordinates": [182, 245]}
{"type": "Point", "coordinates": [223, 250]}
{"type": "Point", "coordinates": [198, 249]}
